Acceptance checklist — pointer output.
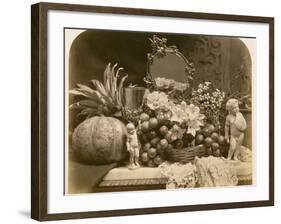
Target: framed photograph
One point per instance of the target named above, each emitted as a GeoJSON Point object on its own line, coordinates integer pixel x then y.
{"type": "Point", "coordinates": [130, 105]}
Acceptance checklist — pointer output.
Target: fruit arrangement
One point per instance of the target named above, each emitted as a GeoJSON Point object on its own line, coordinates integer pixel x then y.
{"type": "Point", "coordinates": [158, 135]}
{"type": "Point", "coordinates": [212, 141]}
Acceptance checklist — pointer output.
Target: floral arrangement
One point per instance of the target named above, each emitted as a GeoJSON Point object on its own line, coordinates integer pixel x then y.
{"type": "Point", "coordinates": [157, 100]}
{"type": "Point", "coordinates": [165, 84]}
{"type": "Point", "coordinates": [209, 99]}
{"type": "Point", "coordinates": [188, 116]}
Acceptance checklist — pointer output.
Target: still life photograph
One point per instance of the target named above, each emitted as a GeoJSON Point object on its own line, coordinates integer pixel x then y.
{"type": "Point", "coordinates": [179, 118]}
{"type": "Point", "coordinates": [141, 111]}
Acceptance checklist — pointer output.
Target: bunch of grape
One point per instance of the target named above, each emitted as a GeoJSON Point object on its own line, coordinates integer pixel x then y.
{"type": "Point", "coordinates": [157, 138]}
{"type": "Point", "coordinates": [213, 142]}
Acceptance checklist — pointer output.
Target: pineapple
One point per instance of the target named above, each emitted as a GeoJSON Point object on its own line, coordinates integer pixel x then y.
{"type": "Point", "coordinates": [105, 99]}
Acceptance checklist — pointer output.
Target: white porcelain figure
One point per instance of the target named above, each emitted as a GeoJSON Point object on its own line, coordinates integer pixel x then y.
{"type": "Point", "coordinates": [235, 125]}
{"type": "Point", "coordinates": [133, 146]}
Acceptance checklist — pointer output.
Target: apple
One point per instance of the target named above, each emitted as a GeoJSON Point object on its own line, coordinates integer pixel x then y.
{"type": "Point", "coordinates": [162, 153]}
{"type": "Point", "coordinates": [199, 139]}
{"type": "Point", "coordinates": [153, 123]}
{"type": "Point", "coordinates": [154, 141]}
{"type": "Point", "coordinates": [158, 160]}
{"type": "Point", "coordinates": [146, 147]}
{"type": "Point", "coordinates": [164, 143]}
{"type": "Point", "coordinates": [145, 126]}
{"type": "Point", "coordinates": [215, 136]}
{"type": "Point", "coordinates": [168, 136]}
{"type": "Point", "coordinates": [160, 118]}
{"type": "Point", "coordinates": [139, 133]}
{"type": "Point", "coordinates": [221, 140]}
{"type": "Point", "coordinates": [163, 130]}
{"type": "Point", "coordinates": [169, 147]}
{"type": "Point", "coordinates": [215, 146]}
{"type": "Point", "coordinates": [144, 157]}
{"type": "Point", "coordinates": [179, 144]}
{"type": "Point", "coordinates": [159, 150]}
{"type": "Point", "coordinates": [208, 142]}
{"type": "Point", "coordinates": [158, 147]}
{"type": "Point", "coordinates": [206, 131]}
{"type": "Point", "coordinates": [144, 117]}
{"type": "Point", "coordinates": [217, 153]}
{"type": "Point", "coordinates": [152, 134]}
{"type": "Point", "coordinates": [209, 151]}
{"type": "Point", "coordinates": [152, 152]}
{"type": "Point", "coordinates": [150, 163]}
{"type": "Point", "coordinates": [211, 128]}
{"type": "Point", "coordinates": [144, 138]}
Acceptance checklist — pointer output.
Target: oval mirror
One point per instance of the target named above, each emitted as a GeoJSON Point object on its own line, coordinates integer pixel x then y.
{"type": "Point", "coordinates": [168, 62]}
{"type": "Point", "coordinates": [170, 66]}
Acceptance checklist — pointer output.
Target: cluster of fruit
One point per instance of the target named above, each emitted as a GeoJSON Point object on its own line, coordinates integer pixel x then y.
{"type": "Point", "coordinates": [157, 135]}
{"type": "Point", "coordinates": [212, 141]}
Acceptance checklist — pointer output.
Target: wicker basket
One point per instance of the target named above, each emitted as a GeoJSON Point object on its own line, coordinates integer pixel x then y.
{"type": "Point", "coordinates": [185, 155]}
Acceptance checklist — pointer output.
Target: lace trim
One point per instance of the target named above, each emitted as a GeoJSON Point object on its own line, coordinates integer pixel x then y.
{"type": "Point", "coordinates": [205, 172]}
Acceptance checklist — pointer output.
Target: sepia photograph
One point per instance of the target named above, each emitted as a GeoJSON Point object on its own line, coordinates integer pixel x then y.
{"type": "Point", "coordinates": [157, 111]}
{"type": "Point", "coordinates": [140, 111]}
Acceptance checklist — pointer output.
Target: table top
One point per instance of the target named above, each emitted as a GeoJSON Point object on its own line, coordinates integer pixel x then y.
{"type": "Point", "coordinates": [83, 178]}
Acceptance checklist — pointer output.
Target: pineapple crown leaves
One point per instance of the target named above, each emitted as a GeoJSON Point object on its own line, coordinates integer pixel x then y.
{"type": "Point", "coordinates": [106, 98]}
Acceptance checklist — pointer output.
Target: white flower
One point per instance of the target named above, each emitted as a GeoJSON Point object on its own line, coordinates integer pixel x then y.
{"type": "Point", "coordinates": [157, 100]}
{"type": "Point", "coordinates": [187, 114]}
{"type": "Point", "coordinates": [180, 86]}
{"type": "Point", "coordinates": [164, 83]}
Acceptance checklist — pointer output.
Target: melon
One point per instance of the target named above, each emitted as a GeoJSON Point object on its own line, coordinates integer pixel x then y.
{"type": "Point", "coordinates": [100, 140]}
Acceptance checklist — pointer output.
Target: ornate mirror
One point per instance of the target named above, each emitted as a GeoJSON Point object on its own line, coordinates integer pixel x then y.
{"type": "Point", "coordinates": [167, 62]}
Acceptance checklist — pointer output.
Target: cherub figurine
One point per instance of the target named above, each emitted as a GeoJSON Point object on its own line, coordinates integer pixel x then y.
{"type": "Point", "coordinates": [235, 125]}
{"type": "Point", "coordinates": [133, 146]}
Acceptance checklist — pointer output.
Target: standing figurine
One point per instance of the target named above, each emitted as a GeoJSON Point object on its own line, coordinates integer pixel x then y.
{"type": "Point", "coordinates": [235, 125]}
{"type": "Point", "coordinates": [133, 146]}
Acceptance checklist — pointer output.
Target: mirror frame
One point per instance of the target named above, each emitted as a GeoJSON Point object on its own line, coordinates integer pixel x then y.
{"type": "Point", "coordinates": [160, 50]}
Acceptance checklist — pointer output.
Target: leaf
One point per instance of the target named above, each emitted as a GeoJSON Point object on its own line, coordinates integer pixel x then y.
{"type": "Point", "coordinates": [120, 90]}
{"type": "Point", "coordinates": [94, 95]}
{"type": "Point", "coordinates": [77, 92]}
{"type": "Point", "coordinates": [112, 77]}
{"type": "Point", "coordinates": [85, 88]}
{"type": "Point", "coordinates": [76, 106]}
{"type": "Point", "coordinates": [88, 104]}
{"type": "Point", "coordinates": [106, 77]}
{"type": "Point", "coordinates": [100, 87]}
{"type": "Point", "coordinates": [89, 112]}
{"type": "Point", "coordinates": [117, 114]}
{"type": "Point", "coordinates": [115, 82]}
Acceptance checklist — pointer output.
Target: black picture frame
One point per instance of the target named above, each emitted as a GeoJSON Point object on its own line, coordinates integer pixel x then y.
{"type": "Point", "coordinates": [39, 106]}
